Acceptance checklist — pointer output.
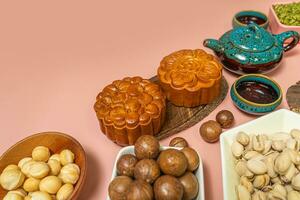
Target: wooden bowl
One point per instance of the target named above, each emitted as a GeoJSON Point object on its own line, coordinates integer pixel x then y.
{"type": "Point", "coordinates": [56, 142]}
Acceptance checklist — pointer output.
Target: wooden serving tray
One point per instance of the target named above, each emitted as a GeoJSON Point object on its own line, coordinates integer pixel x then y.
{"type": "Point", "coordinates": [181, 118]}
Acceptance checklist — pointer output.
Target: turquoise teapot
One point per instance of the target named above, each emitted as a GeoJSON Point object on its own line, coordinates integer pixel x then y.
{"type": "Point", "coordinates": [252, 49]}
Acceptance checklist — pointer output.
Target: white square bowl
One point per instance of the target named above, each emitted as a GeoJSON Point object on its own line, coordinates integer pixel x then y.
{"type": "Point", "coordinates": [280, 121]}
{"type": "Point", "coordinates": [199, 171]}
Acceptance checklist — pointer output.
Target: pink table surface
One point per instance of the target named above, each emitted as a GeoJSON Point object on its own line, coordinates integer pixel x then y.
{"type": "Point", "coordinates": [55, 56]}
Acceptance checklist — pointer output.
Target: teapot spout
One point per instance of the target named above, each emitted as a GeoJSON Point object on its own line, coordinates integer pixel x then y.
{"type": "Point", "coordinates": [214, 45]}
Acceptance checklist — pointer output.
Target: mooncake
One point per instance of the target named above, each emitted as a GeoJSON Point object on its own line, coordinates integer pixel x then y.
{"type": "Point", "coordinates": [129, 108]}
{"type": "Point", "coordinates": [190, 78]}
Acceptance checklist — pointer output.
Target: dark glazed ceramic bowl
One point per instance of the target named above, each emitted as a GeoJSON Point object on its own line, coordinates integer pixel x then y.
{"type": "Point", "coordinates": [256, 94]}
{"type": "Point", "coordinates": [243, 18]}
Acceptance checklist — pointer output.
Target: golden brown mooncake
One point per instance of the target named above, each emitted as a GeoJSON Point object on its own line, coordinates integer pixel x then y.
{"type": "Point", "coordinates": [190, 78]}
{"type": "Point", "coordinates": [129, 108]}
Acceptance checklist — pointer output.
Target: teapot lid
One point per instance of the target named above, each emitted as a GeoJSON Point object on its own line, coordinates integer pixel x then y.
{"type": "Point", "coordinates": [251, 38]}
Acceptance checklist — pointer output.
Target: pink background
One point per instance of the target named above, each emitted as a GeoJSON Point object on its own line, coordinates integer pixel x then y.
{"type": "Point", "coordinates": [55, 56]}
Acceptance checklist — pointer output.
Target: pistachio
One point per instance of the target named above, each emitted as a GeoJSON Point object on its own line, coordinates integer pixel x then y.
{"type": "Point", "coordinates": [251, 154]}
{"type": "Point", "coordinates": [241, 168]}
{"type": "Point", "coordinates": [296, 182]}
{"type": "Point", "coordinates": [243, 138]}
{"type": "Point", "coordinates": [282, 163]}
{"type": "Point", "coordinates": [293, 195]}
{"type": "Point", "coordinates": [261, 181]}
{"type": "Point", "coordinates": [278, 145]}
{"type": "Point", "coordinates": [276, 180]}
{"type": "Point", "coordinates": [258, 143]}
{"type": "Point", "coordinates": [242, 193]}
{"type": "Point", "coordinates": [249, 146]}
{"type": "Point", "coordinates": [295, 133]}
{"type": "Point", "coordinates": [259, 195]}
{"type": "Point", "coordinates": [247, 184]}
{"type": "Point", "coordinates": [294, 155]}
{"type": "Point", "coordinates": [275, 195]}
{"type": "Point", "coordinates": [269, 161]}
{"type": "Point", "coordinates": [280, 189]}
{"type": "Point", "coordinates": [268, 146]}
{"type": "Point", "coordinates": [237, 149]}
{"type": "Point", "coordinates": [257, 166]}
{"type": "Point", "coordinates": [293, 144]}
{"type": "Point", "coordinates": [287, 178]}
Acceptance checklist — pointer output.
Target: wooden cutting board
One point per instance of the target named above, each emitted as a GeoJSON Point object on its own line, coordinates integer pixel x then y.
{"type": "Point", "coordinates": [293, 97]}
{"type": "Point", "coordinates": [181, 118]}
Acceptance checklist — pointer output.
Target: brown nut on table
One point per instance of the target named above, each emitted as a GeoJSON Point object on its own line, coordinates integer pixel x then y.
{"type": "Point", "coordinates": [172, 162]}
{"type": "Point", "coordinates": [146, 146]}
{"type": "Point", "coordinates": [126, 164]}
{"type": "Point", "coordinates": [147, 170]}
{"type": "Point", "coordinates": [118, 188]}
{"type": "Point", "coordinates": [178, 142]}
{"type": "Point", "coordinates": [190, 186]}
{"type": "Point", "coordinates": [139, 190]}
{"type": "Point", "coordinates": [225, 118]}
{"type": "Point", "coordinates": [210, 131]}
{"type": "Point", "coordinates": [192, 158]}
{"type": "Point", "coordinates": [168, 187]}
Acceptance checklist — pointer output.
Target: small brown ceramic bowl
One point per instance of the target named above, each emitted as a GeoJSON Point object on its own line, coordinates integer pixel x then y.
{"type": "Point", "coordinates": [56, 142]}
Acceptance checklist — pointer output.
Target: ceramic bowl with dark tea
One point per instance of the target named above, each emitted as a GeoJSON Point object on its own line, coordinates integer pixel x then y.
{"type": "Point", "coordinates": [246, 17]}
{"type": "Point", "coordinates": [256, 94]}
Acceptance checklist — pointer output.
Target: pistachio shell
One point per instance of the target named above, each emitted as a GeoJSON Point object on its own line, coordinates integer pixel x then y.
{"type": "Point", "coordinates": [294, 155]}
{"type": "Point", "coordinates": [241, 168]}
{"type": "Point", "coordinates": [296, 182]}
{"type": "Point", "coordinates": [259, 195]}
{"type": "Point", "coordinates": [293, 144]}
{"type": "Point", "coordinates": [268, 146]}
{"type": "Point", "coordinates": [269, 161]}
{"type": "Point", "coordinates": [251, 154]}
{"type": "Point", "coordinates": [280, 189]}
{"type": "Point", "coordinates": [295, 133]}
{"type": "Point", "coordinates": [282, 163]}
{"type": "Point", "coordinates": [243, 138]}
{"type": "Point", "coordinates": [291, 172]}
{"type": "Point", "coordinates": [293, 195]}
{"type": "Point", "coordinates": [247, 184]}
{"type": "Point", "coordinates": [242, 193]}
{"type": "Point", "coordinates": [274, 195]}
{"type": "Point", "coordinates": [249, 146]}
{"type": "Point", "coordinates": [237, 149]}
{"type": "Point", "coordinates": [278, 145]}
{"type": "Point", "coordinates": [276, 180]}
{"type": "Point", "coordinates": [257, 166]}
{"type": "Point", "coordinates": [261, 181]}
{"type": "Point", "coordinates": [258, 143]}
{"type": "Point", "coordinates": [288, 188]}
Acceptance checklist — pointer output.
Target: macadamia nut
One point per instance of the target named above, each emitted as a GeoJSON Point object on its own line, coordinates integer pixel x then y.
{"type": "Point", "coordinates": [12, 196]}
{"type": "Point", "coordinates": [31, 184]}
{"type": "Point", "coordinates": [55, 167]}
{"type": "Point", "coordinates": [23, 161]}
{"type": "Point", "coordinates": [40, 196]}
{"type": "Point", "coordinates": [38, 169]}
{"type": "Point", "coordinates": [20, 192]}
{"type": "Point", "coordinates": [69, 173]}
{"type": "Point", "coordinates": [50, 184]}
{"type": "Point", "coordinates": [55, 157]}
{"type": "Point", "coordinates": [66, 157]}
{"type": "Point", "coordinates": [11, 179]}
{"type": "Point", "coordinates": [65, 192]}
{"type": "Point", "coordinates": [8, 167]}
{"type": "Point", "coordinates": [40, 153]}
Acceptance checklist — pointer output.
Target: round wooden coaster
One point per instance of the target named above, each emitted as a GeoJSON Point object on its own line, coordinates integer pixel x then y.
{"type": "Point", "coordinates": [181, 118]}
{"type": "Point", "coordinates": [293, 97]}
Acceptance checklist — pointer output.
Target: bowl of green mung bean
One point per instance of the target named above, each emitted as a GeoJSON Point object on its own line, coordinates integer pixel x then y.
{"type": "Point", "coordinates": [285, 17]}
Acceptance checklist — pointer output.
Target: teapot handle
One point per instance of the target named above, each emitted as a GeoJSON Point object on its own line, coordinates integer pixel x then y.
{"type": "Point", "coordinates": [286, 35]}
